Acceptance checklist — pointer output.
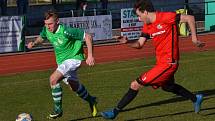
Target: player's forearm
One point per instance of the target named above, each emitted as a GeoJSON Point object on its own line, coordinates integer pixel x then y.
{"type": "Point", "coordinates": [134, 45]}
{"type": "Point", "coordinates": [138, 44]}
{"type": "Point", "coordinates": [38, 40]}
{"type": "Point", "coordinates": [191, 23]}
{"type": "Point", "coordinates": [89, 44]}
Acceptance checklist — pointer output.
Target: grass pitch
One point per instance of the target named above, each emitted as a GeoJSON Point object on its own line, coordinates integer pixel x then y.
{"type": "Point", "coordinates": [30, 92]}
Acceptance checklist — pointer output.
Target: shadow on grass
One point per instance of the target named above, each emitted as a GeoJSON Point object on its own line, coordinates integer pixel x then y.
{"type": "Point", "coordinates": [206, 93]}
{"type": "Point", "coordinates": [209, 113]}
{"type": "Point", "coordinates": [90, 118]}
{"type": "Point", "coordinates": [172, 114]}
{"type": "Point", "coordinates": [159, 116]}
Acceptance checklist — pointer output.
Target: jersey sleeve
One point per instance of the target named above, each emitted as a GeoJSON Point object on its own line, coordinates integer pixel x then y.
{"type": "Point", "coordinates": [147, 36]}
{"type": "Point", "coordinates": [74, 33]}
{"type": "Point", "coordinates": [43, 33]}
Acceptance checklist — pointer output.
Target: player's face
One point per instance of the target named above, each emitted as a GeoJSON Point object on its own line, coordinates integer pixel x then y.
{"type": "Point", "coordinates": [51, 24]}
{"type": "Point", "coordinates": [142, 16]}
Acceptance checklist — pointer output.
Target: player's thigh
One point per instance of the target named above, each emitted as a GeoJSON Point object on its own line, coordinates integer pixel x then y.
{"type": "Point", "coordinates": [158, 74]}
{"type": "Point", "coordinates": [71, 79]}
{"type": "Point", "coordinates": [69, 70]}
{"type": "Point", "coordinates": [69, 65]}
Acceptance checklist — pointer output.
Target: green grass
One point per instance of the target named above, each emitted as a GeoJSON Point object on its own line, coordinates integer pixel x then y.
{"type": "Point", "coordinates": [30, 92]}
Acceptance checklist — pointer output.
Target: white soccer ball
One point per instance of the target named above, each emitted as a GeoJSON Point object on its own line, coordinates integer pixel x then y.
{"type": "Point", "coordinates": [24, 117]}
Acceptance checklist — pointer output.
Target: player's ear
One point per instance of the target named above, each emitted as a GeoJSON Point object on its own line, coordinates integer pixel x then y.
{"type": "Point", "coordinates": [57, 21]}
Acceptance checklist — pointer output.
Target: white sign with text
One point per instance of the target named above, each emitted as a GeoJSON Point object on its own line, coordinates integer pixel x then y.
{"type": "Point", "coordinates": [10, 33]}
{"type": "Point", "coordinates": [100, 27]}
{"type": "Point", "coordinates": [130, 24]}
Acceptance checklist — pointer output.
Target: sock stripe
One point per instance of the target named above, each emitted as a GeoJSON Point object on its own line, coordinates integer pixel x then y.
{"type": "Point", "coordinates": [82, 92]}
{"type": "Point", "coordinates": [85, 95]}
{"type": "Point", "coordinates": [57, 93]}
{"type": "Point", "coordinates": [58, 89]}
{"type": "Point", "coordinates": [56, 96]}
{"type": "Point", "coordinates": [57, 99]}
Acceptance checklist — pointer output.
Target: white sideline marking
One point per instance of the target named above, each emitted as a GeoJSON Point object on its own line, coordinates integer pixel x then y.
{"type": "Point", "coordinates": [105, 71]}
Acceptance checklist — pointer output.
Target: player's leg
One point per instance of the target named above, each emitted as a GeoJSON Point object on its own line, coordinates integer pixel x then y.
{"type": "Point", "coordinates": [144, 79]}
{"type": "Point", "coordinates": [83, 93]}
{"type": "Point", "coordinates": [125, 100]}
{"type": "Point", "coordinates": [71, 78]}
{"type": "Point", "coordinates": [129, 96]}
{"type": "Point", "coordinates": [178, 90]}
{"type": "Point", "coordinates": [55, 79]}
{"type": "Point", "coordinates": [56, 94]}
{"type": "Point", "coordinates": [181, 91]}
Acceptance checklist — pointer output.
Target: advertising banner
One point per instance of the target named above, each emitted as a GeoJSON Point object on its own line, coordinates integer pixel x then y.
{"type": "Point", "coordinates": [100, 27]}
{"type": "Point", "coordinates": [130, 25]}
{"type": "Point", "coordinates": [11, 33]}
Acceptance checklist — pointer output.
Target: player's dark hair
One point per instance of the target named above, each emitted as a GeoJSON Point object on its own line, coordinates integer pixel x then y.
{"type": "Point", "coordinates": [143, 5]}
{"type": "Point", "coordinates": [49, 14]}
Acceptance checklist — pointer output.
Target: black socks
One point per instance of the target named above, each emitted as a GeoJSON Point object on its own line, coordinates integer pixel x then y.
{"type": "Point", "coordinates": [127, 98]}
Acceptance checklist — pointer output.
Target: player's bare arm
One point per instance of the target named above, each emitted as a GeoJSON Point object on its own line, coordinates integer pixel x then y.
{"type": "Point", "coordinates": [121, 39]}
{"type": "Point", "coordinates": [134, 44]}
{"type": "Point", "coordinates": [34, 43]}
{"type": "Point", "coordinates": [139, 43]}
{"type": "Point", "coordinates": [191, 22]}
{"type": "Point", "coordinates": [90, 59]}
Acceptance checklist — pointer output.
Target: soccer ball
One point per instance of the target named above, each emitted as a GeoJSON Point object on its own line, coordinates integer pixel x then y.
{"type": "Point", "coordinates": [24, 117]}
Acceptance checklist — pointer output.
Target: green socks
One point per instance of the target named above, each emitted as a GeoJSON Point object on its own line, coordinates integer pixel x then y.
{"type": "Point", "coordinates": [57, 97]}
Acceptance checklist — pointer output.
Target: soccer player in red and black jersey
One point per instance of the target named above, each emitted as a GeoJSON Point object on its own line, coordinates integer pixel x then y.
{"type": "Point", "coordinates": [162, 28]}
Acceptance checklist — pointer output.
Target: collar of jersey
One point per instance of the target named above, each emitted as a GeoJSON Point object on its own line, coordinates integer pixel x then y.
{"type": "Point", "coordinates": [58, 29]}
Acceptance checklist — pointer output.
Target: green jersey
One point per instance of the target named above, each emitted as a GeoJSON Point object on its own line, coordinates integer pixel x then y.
{"type": "Point", "coordinates": [67, 42]}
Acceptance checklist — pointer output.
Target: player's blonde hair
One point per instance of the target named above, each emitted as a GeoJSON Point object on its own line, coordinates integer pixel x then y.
{"type": "Point", "coordinates": [49, 14]}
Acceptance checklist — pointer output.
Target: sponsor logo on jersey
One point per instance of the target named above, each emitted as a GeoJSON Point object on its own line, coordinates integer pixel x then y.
{"type": "Point", "coordinates": [159, 26]}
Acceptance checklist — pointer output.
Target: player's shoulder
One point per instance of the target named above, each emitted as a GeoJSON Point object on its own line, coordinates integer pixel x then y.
{"type": "Point", "coordinates": [67, 33]}
{"type": "Point", "coordinates": [166, 14]}
{"type": "Point", "coordinates": [165, 17]}
{"type": "Point", "coordinates": [70, 31]}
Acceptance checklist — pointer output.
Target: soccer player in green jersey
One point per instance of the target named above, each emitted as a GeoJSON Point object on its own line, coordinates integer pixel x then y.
{"type": "Point", "coordinates": [68, 48]}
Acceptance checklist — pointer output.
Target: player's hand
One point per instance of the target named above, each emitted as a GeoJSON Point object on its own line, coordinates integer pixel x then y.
{"type": "Point", "coordinates": [30, 45]}
{"type": "Point", "coordinates": [90, 61]}
{"type": "Point", "coordinates": [121, 39]}
{"type": "Point", "coordinates": [199, 43]}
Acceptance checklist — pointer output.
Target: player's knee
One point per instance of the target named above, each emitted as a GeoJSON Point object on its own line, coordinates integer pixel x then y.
{"type": "Point", "coordinates": [53, 81]}
{"type": "Point", "coordinates": [135, 85]}
{"type": "Point", "coordinates": [168, 88]}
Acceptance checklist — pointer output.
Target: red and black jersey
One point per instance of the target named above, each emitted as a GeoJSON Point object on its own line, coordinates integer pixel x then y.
{"type": "Point", "coordinates": [163, 32]}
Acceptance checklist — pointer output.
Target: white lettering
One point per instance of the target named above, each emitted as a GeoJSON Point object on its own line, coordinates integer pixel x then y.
{"type": "Point", "coordinates": [158, 33]}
